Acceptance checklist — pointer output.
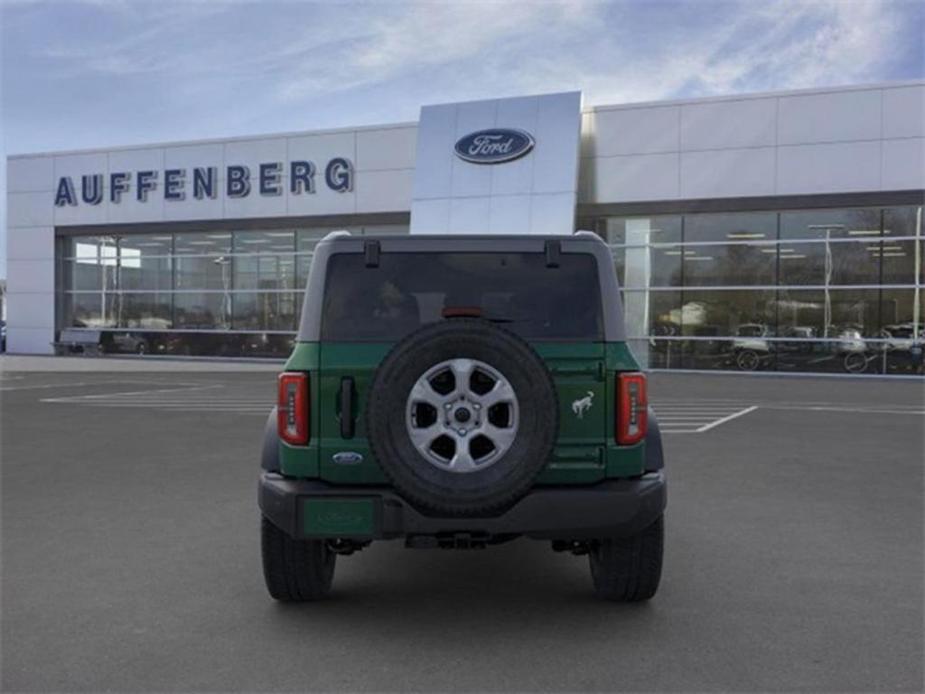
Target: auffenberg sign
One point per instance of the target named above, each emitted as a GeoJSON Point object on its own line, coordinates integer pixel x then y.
{"type": "Point", "coordinates": [203, 182]}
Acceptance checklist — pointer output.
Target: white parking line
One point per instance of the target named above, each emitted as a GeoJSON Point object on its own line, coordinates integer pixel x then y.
{"type": "Point", "coordinates": [728, 418]}
{"type": "Point", "coordinates": [863, 410]}
{"type": "Point", "coordinates": [693, 417]}
{"type": "Point", "coordinates": [46, 386]}
{"type": "Point", "coordinates": [191, 398]}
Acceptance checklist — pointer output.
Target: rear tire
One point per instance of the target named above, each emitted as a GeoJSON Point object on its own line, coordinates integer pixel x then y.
{"type": "Point", "coordinates": [629, 569]}
{"type": "Point", "coordinates": [295, 570]}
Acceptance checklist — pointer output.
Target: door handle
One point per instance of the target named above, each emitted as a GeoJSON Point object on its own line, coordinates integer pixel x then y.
{"type": "Point", "coordinates": [347, 422]}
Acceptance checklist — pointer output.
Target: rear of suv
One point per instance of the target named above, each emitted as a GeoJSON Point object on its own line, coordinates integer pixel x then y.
{"type": "Point", "coordinates": [460, 392]}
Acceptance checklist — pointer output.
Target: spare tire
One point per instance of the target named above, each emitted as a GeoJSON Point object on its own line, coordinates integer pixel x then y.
{"type": "Point", "coordinates": [462, 416]}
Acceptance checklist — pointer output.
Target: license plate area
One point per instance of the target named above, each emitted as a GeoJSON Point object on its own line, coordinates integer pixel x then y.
{"type": "Point", "coordinates": [347, 517]}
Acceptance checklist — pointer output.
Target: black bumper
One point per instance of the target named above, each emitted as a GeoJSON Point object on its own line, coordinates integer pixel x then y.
{"type": "Point", "coordinates": [614, 508]}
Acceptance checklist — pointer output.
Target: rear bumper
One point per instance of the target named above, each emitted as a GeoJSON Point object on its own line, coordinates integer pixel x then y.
{"type": "Point", "coordinates": [614, 508]}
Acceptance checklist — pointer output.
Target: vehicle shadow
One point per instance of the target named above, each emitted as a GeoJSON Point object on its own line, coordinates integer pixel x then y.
{"type": "Point", "coordinates": [513, 585]}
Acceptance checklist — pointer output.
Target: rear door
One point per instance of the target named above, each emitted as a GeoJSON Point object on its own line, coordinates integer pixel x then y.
{"type": "Point", "coordinates": [554, 307]}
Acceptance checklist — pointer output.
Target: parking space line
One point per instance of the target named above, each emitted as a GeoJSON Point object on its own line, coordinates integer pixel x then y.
{"type": "Point", "coordinates": [97, 396]}
{"type": "Point", "coordinates": [46, 386]}
{"type": "Point", "coordinates": [188, 397]}
{"type": "Point", "coordinates": [862, 410]}
{"type": "Point", "coordinates": [728, 418]}
{"type": "Point", "coordinates": [697, 416]}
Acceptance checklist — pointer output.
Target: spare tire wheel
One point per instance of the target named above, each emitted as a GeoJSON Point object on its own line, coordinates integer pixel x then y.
{"type": "Point", "coordinates": [462, 416]}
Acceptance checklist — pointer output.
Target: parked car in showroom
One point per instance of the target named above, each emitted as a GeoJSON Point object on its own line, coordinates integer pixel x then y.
{"type": "Point", "coordinates": [751, 350]}
{"type": "Point", "coordinates": [125, 343]}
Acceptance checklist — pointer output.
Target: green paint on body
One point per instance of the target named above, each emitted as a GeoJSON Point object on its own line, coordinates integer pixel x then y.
{"type": "Point", "coordinates": [583, 373]}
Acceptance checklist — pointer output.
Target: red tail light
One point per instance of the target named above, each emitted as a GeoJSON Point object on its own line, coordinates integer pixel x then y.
{"type": "Point", "coordinates": [632, 408]}
{"type": "Point", "coordinates": [292, 408]}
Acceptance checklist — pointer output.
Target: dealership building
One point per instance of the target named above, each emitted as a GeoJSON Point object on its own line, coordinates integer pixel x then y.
{"type": "Point", "coordinates": [774, 232]}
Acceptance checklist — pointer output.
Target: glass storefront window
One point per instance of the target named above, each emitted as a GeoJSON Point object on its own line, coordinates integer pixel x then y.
{"type": "Point", "coordinates": [641, 230]}
{"type": "Point", "coordinates": [724, 313]}
{"type": "Point", "coordinates": [830, 224]}
{"type": "Point", "coordinates": [77, 275]}
{"type": "Point", "coordinates": [898, 314]}
{"type": "Point", "coordinates": [902, 221]}
{"type": "Point", "coordinates": [264, 271]}
{"type": "Point", "coordinates": [903, 261]}
{"type": "Point", "coordinates": [277, 241]}
{"type": "Point", "coordinates": [264, 311]}
{"type": "Point", "coordinates": [732, 265]}
{"type": "Point", "coordinates": [93, 250]}
{"type": "Point", "coordinates": [653, 266]}
{"type": "Point", "coordinates": [206, 311]}
{"type": "Point", "coordinates": [146, 245]}
{"type": "Point", "coordinates": [739, 226]}
{"type": "Point", "coordinates": [203, 272]}
{"type": "Point", "coordinates": [90, 310]}
{"type": "Point", "coordinates": [843, 314]}
{"type": "Point", "coordinates": [846, 286]}
{"type": "Point", "coordinates": [828, 263]}
{"type": "Point", "coordinates": [898, 260]}
{"type": "Point", "coordinates": [152, 291]}
{"type": "Point", "coordinates": [665, 314]}
{"type": "Point", "coordinates": [203, 243]}
{"type": "Point", "coordinates": [147, 273]}
{"type": "Point", "coordinates": [837, 290]}
{"type": "Point", "coordinates": [146, 310]}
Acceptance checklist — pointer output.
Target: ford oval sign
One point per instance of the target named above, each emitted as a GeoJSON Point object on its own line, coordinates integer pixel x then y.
{"type": "Point", "coordinates": [494, 146]}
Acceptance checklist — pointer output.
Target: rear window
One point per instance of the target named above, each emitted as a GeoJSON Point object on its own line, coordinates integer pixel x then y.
{"type": "Point", "coordinates": [408, 290]}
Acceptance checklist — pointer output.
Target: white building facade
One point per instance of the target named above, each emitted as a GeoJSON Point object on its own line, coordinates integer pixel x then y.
{"type": "Point", "coordinates": [776, 231]}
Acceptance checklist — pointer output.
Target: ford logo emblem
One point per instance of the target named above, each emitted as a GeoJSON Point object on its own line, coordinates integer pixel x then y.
{"type": "Point", "coordinates": [494, 146]}
{"type": "Point", "coordinates": [347, 458]}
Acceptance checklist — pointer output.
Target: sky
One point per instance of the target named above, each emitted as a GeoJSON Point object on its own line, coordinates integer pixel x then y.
{"type": "Point", "coordinates": [96, 73]}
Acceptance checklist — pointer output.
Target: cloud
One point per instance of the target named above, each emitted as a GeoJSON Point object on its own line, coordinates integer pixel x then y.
{"type": "Point", "coordinates": [409, 38]}
{"type": "Point", "coordinates": [751, 47]}
{"type": "Point", "coordinates": [143, 70]}
{"type": "Point", "coordinates": [614, 52]}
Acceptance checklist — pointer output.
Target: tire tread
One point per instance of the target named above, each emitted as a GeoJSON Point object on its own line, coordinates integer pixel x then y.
{"type": "Point", "coordinates": [629, 569]}
{"type": "Point", "coordinates": [294, 570]}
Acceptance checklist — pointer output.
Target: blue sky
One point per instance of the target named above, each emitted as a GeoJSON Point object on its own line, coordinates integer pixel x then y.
{"type": "Point", "coordinates": [79, 74]}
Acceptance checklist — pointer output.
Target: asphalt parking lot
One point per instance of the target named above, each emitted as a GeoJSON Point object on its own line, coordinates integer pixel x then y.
{"type": "Point", "coordinates": [130, 558]}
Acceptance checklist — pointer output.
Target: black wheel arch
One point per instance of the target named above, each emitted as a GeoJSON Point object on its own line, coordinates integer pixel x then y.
{"type": "Point", "coordinates": [655, 459]}
{"type": "Point", "coordinates": [269, 454]}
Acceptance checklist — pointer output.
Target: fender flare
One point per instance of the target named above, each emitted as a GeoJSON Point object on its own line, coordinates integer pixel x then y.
{"type": "Point", "coordinates": [269, 454]}
{"type": "Point", "coordinates": [655, 459]}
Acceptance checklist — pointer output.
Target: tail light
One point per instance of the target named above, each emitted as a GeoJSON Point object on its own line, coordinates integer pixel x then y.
{"type": "Point", "coordinates": [632, 408]}
{"type": "Point", "coordinates": [292, 408]}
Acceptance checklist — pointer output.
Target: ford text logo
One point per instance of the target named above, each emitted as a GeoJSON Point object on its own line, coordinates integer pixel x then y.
{"type": "Point", "coordinates": [494, 146]}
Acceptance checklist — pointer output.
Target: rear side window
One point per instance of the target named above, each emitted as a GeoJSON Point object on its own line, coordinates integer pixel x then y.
{"type": "Point", "coordinates": [408, 290]}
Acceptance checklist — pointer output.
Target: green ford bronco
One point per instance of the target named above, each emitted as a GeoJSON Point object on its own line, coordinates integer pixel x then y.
{"type": "Point", "coordinates": [462, 391]}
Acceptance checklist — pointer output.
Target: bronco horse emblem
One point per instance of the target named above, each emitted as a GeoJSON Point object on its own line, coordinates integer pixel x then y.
{"type": "Point", "coordinates": [582, 405]}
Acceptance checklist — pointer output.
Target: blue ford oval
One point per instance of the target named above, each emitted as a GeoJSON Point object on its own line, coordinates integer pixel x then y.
{"type": "Point", "coordinates": [494, 146]}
